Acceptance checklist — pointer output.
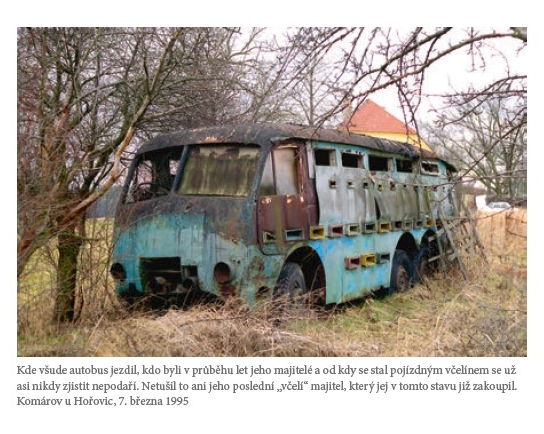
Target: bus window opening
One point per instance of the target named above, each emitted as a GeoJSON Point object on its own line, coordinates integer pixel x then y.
{"type": "Point", "coordinates": [281, 177]}
{"type": "Point", "coordinates": [154, 175]}
{"type": "Point", "coordinates": [379, 164]}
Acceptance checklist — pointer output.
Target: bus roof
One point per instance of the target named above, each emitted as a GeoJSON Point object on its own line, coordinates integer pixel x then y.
{"type": "Point", "coordinates": [266, 134]}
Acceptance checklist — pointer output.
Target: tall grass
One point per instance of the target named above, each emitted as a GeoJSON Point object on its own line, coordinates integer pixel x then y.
{"type": "Point", "coordinates": [443, 316]}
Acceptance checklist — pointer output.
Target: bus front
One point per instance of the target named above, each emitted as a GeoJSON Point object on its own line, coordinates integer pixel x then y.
{"type": "Point", "coordinates": [185, 222]}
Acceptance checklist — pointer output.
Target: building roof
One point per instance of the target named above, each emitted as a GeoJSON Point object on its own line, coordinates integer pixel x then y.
{"type": "Point", "coordinates": [372, 118]}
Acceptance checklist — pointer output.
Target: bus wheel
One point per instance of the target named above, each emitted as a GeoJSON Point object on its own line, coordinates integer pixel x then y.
{"type": "Point", "coordinates": [291, 281]}
{"type": "Point", "coordinates": [421, 264]}
{"type": "Point", "coordinates": [422, 267]}
{"type": "Point", "coordinates": [401, 273]}
{"type": "Point", "coordinates": [290, 288]}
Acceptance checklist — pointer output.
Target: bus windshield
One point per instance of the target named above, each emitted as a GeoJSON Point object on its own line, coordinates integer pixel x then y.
{"type": "Point", "coordinates": [219, 170]}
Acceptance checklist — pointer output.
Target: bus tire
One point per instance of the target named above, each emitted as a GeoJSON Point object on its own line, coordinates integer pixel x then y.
{"type": "Point", "coordinates": [421, 264]}
{"type": "Point", "coordinates": [422, 267]}
{"type": "Point", "coordinates": [291, 283]}
{"type": "Point", "coordinates": [289, 302]}
{"type": "Point", "coordinates": [402, 274]}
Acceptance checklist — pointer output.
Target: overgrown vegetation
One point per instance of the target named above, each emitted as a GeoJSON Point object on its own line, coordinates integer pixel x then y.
{"type": "Point", "coordinates": [87, 97]}
{"type": "Point", "coordinates": [445, 316]}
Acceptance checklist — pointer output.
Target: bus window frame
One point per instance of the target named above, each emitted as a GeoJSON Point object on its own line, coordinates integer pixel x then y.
{"type": "Point", "coordinates": [388, 161]}
{"type": "Point", "coordinates": [134, 185]}
{"type": "Point", "coordinates": [429, 163]}
{"type": "Point", "coordinates": [186, 158]}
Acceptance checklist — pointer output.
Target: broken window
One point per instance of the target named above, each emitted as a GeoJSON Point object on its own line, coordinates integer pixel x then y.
{"type": "Point", "coordinates": [378, 163]}
{"type": "Point", "coordinates": [324, 157]}
{"type": "Point", "coordinates": [219, 170]}
{"type": "Point", "coordinates": [154, 175]}
{"type": "Point", "coordinates": [404, 165]}
{"type": "Point", "coordinates": [429, 168]}
{"type": "Point", "coordinates": [352, 160]}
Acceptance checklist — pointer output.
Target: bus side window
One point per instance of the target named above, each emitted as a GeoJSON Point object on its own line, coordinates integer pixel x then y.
{"type": "Point", "coordinates": [379, 164]}
{"type": "Point", "coordinates": [144, 172]}
{"type": "Point", "coordinates": [404, 166]}
{"type": "Point", "coordinates": [285, 166]}
{"type": "Point", "coordinates": [281, 165]}
{"type": "Point", "coordinates": [324, 157]}
{"type": "Point", "coordinates": [154, 175]}
{"type": "Point", "coordinates": [267, 181]}
{"type": "Point", "coordinates": [352, 160]}
{"type": "Point", "coordinates": [430, 168]}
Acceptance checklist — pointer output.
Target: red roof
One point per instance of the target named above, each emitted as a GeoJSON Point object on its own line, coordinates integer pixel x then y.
{"type": "Point", "coordinates": [370, 117]}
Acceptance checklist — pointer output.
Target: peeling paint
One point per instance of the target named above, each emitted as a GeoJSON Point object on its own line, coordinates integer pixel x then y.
{"type": "Point", "coordinates": [250, 198]}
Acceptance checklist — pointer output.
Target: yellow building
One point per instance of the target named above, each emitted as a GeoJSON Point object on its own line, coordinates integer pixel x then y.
{"type": "Point", "coordinates": [373, 120]}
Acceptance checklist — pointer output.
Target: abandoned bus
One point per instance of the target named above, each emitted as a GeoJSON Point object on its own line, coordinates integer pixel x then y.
{"type": "Point", "coordinates": [246, 210]}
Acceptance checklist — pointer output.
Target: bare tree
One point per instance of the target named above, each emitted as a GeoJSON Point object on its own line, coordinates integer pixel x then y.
{"type": "Point", "coordinates": [316, 91]}
{"type": "Point", "coordinates": [83, 96]}
{"type": "Point", "coordinates": [487, 142]}
{"type": "Point", "coordinates": [374, 59]}
{"type": "Point", "coordinates": [481, 127]}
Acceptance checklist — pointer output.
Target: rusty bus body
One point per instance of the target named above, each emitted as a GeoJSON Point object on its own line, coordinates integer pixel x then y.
{"type": "Point", "coordinates": [245, 210]}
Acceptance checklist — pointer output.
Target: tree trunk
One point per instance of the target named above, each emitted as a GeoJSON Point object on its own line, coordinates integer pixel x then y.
{"type": "Point", "coordinates": [69, 244]}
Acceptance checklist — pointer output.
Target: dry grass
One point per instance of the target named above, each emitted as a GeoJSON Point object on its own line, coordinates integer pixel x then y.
{"type": "Point", "coordinates": [446, 316]}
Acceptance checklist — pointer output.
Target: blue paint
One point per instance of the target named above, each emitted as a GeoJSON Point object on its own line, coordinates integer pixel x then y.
{"type": "Point", "coordinates": [182, 237]}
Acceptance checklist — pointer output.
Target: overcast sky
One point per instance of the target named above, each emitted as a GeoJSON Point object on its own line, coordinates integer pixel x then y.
{"type": "Point", "coordinates": [455, 73]}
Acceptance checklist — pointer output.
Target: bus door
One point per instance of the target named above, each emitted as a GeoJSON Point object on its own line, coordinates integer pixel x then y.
{"type": "Point", "coordinates": [286, 200]}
